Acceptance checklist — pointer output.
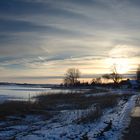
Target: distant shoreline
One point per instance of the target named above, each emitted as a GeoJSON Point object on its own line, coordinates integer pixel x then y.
{"type": "Point", "coordinates": [28, 84]}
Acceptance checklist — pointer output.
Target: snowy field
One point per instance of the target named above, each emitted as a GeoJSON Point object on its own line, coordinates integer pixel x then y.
{"type": "Point", "coordinates": [16, 92]}
{"type": "Point", "coordinates": [79, 123]}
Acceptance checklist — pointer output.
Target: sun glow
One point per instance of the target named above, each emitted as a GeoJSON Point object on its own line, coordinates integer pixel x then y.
{"type": "Point", "coordinates": [121, 64]}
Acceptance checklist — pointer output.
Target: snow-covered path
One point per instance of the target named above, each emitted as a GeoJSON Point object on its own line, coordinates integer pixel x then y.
{"type": "Point", "coordinates": [109, 126]}
{"type": "Point", "coordinates": [136, 109]}
{"type": "Point", "coordinates": [64, 126]}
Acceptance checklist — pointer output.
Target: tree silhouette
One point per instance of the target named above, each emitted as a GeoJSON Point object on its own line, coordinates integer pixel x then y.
{"type": "Point", "coordinates": [115, 76]}
{"type": "Point", "coordinates": [97, 80]}
{"type": "Point", "coordinates": [71, 76]}
{"type": "Point", "coordinates": [138, 73]}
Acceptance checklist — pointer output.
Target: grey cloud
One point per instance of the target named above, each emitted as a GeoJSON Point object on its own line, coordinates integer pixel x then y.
{"type": "Point", "coordinates": [24, 26]}
{"type": "Point", "coordinates": [52, 33]}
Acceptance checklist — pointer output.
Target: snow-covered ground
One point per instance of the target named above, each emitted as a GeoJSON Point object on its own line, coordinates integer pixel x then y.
{"type": "Point", "coordinates": [64, 125]}
{"type": "Point", "coordinates": [16, 92]}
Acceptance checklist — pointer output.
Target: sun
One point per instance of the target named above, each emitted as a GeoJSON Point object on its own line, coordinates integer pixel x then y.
{"type": "Point", "coordinates": [121, 64]}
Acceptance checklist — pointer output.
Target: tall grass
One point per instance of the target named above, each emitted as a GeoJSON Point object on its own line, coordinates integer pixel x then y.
{"type": "Point", "coordinates": [20, 108]}
{"type": "Point", "coordinates": [46, 103]}
{"type": "Point", "coordinates": [78, 101]}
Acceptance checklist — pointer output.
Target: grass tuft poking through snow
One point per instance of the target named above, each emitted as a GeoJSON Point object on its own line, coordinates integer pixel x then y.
{"type": "Point", "coordinates": [69, 116]}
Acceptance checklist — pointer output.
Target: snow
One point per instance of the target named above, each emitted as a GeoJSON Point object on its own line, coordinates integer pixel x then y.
{"type": "Point", "coordinates": [64, 128]}
{"type": "Point", "coordinates": [64, 125]}
{"type": "Point", "coordinates": [136, 112]}
{"type": "Point", "coordinates": [16, 92]}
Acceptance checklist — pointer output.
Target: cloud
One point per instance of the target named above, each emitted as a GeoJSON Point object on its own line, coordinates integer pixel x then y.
{"type": "Point", "coordinates": [52, 35]}
{"type": "Point", "coordinates": [124, 51]}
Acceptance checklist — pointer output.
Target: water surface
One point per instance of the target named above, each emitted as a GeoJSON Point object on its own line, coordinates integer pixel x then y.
{"type": "Point", "coordinates": [16, 92]}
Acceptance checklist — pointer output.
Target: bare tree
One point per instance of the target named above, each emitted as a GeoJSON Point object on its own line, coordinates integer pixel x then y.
{"type": "Point", "coordinates": [97, 80]}
{"type": "Point", "coordinates": [71, 76]}
{"type": "Point", "coordinates": [115, 76]}
{"type": "Point", "coordinates": [138, 73]}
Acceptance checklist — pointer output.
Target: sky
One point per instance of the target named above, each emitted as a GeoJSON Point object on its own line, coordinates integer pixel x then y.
{"type": "Point", "coordinates": [41, 39]}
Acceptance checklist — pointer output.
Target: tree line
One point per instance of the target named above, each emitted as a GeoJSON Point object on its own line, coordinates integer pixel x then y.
{"type": "Point", "coordinates": [72, 76]}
